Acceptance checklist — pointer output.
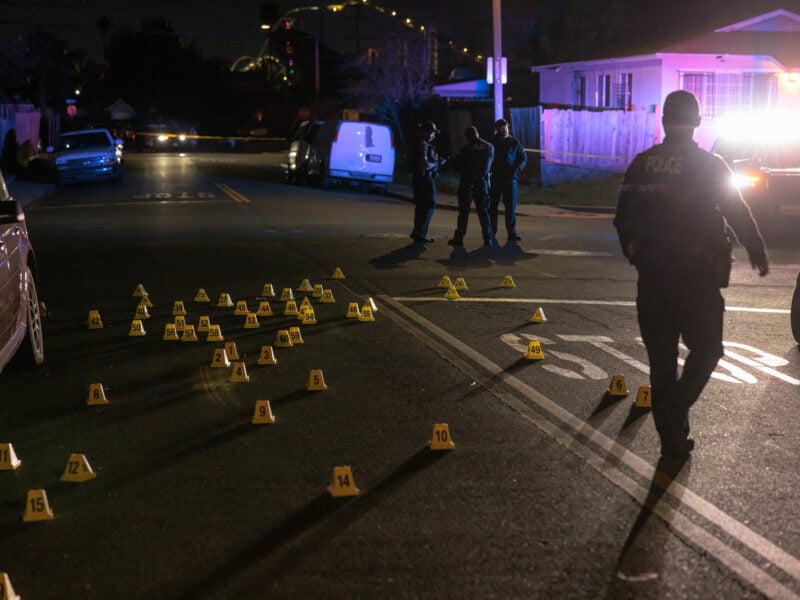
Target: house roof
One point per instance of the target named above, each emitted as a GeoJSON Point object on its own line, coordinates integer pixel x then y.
{"type": "Point", "coordinates": [775, 34]}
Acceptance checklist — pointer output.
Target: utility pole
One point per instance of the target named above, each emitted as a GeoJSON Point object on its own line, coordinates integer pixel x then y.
{"type": "Point", "coordinates": [497, 30]}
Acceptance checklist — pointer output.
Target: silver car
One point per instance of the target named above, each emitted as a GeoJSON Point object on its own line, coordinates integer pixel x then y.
{"type": "Point", "coordinates": [87, 155]}
{"type": "Point", "coordinates": [20, 314]}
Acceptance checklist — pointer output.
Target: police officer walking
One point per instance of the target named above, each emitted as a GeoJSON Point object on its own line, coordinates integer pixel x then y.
{"type": "Point", "coordinates": [671, 221]}
{"type": "Point", "coordinates": [509, 160]}
{"type": "Point", "coordinates": [425, 168]}
{"type": "Point", "coordinates": [473, 162]}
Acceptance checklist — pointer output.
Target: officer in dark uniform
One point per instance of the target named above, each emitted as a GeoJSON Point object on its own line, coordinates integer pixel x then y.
{"type": "Point", "coordinates": [509, 160]}
{"type": "Point", "coordinates": [425, 168]}
{"type": "Point", "coordinates": [671, 221]}
{"type": "Point", "coordinates": [473, 162]}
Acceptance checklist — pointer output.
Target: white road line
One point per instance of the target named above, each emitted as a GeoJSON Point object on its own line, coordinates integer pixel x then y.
{"type": "Point", "coordinates": [578, 430]}
{"type": "Point", "coordinates": [776, 311]}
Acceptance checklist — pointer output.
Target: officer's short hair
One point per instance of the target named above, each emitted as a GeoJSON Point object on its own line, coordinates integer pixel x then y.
{"type": "Point", "coordinates": [681, 108]}
{"type": "Point", "coordinates": [472, 133]}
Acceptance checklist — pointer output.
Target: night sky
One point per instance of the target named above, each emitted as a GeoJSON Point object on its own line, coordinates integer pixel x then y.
{"type": "Point", "coordinates": [534, 30]}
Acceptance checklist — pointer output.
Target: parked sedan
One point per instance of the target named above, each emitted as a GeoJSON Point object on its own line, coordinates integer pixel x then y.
{"type": "Point", "coordinates": [20, 315]}
{"type": "Point", "coordinates": [87, 155]}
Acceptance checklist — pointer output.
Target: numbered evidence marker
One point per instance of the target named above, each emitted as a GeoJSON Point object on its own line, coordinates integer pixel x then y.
{"type": "Point", "coordinates": [139, 291]}
{"type": "Point", "coordinates": [264, 309]}
{"type": "Point", "coordinates": [6, 589]}
{"type": "Point", "coordinates": [441, 440]}
{"type": "Point", "coordinates": [317, 291]}
{"type": "Point", "coordinates": [538, 316]}
{"type": "Point", "coordinates": [337, 274]}
{"type": "Point", "coordinates": [290, 308]}
{"type": "Point", "coordinates": [203, 324]}
{"type": "Point", "coordinates": [295, 336]}
{"type": "Point", "coordinates": [251, 321]}
{"type": "Point", "coordinates": [534, 351]}
{"type": "Point", "coordinates": [230, 351]}
{"type": "Point", "coordinates": [460, 284]}
{"type": "Point", "coordinates": [283, 340]}
{"type": "Point", "coordinates": [327, 296]}
{"type": "Point", "coordinates": [8, 458]}
{"type": "Point", "coordinates": [137, 329]}
{"type": "Point", "coordinates": [342, 483]}
{"type": "Point", "coordinates": [305, 286]}
{"type": "Point", "coordinates": [353, 311]}
{"type": "Point", "coordinates": [145, 301]}
{"type": "Point", "coordinates": [201, 296]}
{"type": "Point", "coordinates": [178, 308]}
{"type": "Point", "coordinates": [508, 282]}
{"type": "Point", "coordinates": [262, 414]}
{"type": "Point", "coordinates": [214, 334]}
{"type": "Point", "coordinates": [267, 356]}
{"type": "Point", "coordinates": [286, 295]}
{"type": "Point", "coordinates": [94, 321]}
{"type": "Point", "coordinates": [97, 395]}
{"type": "Point", "coordinates": [180, 323]}
{"type": "Point", "coordinates": [452, 293]}
{"type": "Point", "coordinates": [316, 382]}
{"type": "Point", "coordinates": [366, 316]}
{"type": "Point", "coordinates": [239, 373]}
{"type": "Point", "coordinates": [309, 318]}
{"type": "Point", "coordinates": [189, 334]}
{"type": "Point", "coordinates": [224, 300]}
{"type": "Point", "coordinates": [78, 469]}
{"type": "Point", "coordinates": [220, 358]}
{"type": "Point", "coordinates": [170, 332]}
{"type": "Point", "coordinates": [445, 282]}
{"type": "Point", "coordinates": [643, 397]}
{"type": "Point", "coordinates": [141, 312]}
{"type": "Point", "coordinates": [618, 387]}
{"type": "Point", "coordinates": [37, 507]}
{"type": "Point", "coordinates": [241, 308]}
{"type": "Point", "coordinates": [268, 291]}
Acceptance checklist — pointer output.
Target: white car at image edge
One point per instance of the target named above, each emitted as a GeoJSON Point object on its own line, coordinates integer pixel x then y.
{"type": "Point", "coordinates": [20, 314]}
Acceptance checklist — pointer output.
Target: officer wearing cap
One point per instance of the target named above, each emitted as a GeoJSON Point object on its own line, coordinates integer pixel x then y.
{"type": "Point", "coordinates": [509, 160]}
{"type": "Point", "coordinates": [473, 162]}
{"type": "Point", "coordinates": [672, 215]}
{"type": "Point", "coordinates": [425, 167]}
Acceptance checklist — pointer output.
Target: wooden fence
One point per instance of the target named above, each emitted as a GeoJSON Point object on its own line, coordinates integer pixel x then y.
{"type": "Point", "coordinates": [603, 140]}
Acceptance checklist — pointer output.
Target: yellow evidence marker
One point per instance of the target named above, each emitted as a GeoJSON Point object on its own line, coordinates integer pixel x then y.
{"type": "Point", "coordinates": [8, 458]}
{"type": "Point", "coordinates": [342, 483]}
{"type": "Point", "coordinates": [452, 293]}
{"type": "Point", "coordinates": [337, 274]}
{"type": "Point", "coordinates": [137, 329]}
{"type": "Point", "coordinates": [78, 469]}
{"type": "Point", "coordinates": [241, 308]}
{"type": "Point", "coordinates": [189, 334]}
{"type": "Point", "coordinates": [508, 282]}
{"type": "Point", "coordinates": [366, 314]}
{"type": "Point", "coordinates": [327, 296]}
{"type": "Point", "coordinates": [251, 321]}
{"type": "Point", "coordinates": [445, 282]}
{"type": "Point", "coordinates": [201, 296]}
{"type": "Point", "coordinates": [178, 308]}
{"type": "Point", "coordinates": [305, 286]}
{"type": "Point", "coordinates": [618, 387]}
{"type": "Point", "coordinates": [230, 351]}
{"type": "Point", "coordinates": [180, 323]}
{"type": "Point", "coordinates": [224, 300]}
{"type": "Point", "coordinates": [262, 413]}
{"type": "Point", "coordinates": [214, 334]}
{"type": "Point", "coordinates": [94, 321]}
{"type": "Point", "coordinates": [643, 399]}
{"type": "Point", "coordinates": [220, 358]}
{"type": "Point", "coordinates": [460, 284]}
{"type": "Point", "coordinates": [6, 589]}
{"type": "Point", "coordinates": [239, 373]}
{"type": "Point", "coordinates": [295, 336]}
{"type": "Point", "coordinates": [440, 439]}
{"type": "Point", "coordinates": [282, 339]}
{"type": "Point", "coordinates": [267, 356]}
{"type": "Point", "coordinates": [36, 507]}
{"type": "Point", "coordinates": [97, 395]}
{"type": "Point", "coordinates": [203, 324]}
{"type": "Point", "coordinates": [139, 291]}
{"type": "Point", "coordinates": [534, 351]}
{"type": "Point", "coordinates": [268, 291]}
{"type": "Point", "coordinates": [316, 381]}
{"type": "Point", "coordinates": [353, 311]}
{"type": "Point", "coordinates": [538, 316]}
{"type": "Point", "coordinates": [264, 309]}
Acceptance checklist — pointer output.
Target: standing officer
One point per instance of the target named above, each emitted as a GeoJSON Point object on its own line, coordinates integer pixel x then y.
{"type": "Point", "coordinates": [671, 221]}
{"type": "Point", "coordinates": [425, 168]}
{"type": "Point", "coordinates": [473, 161]}
{"type": "Point", "coordinates": [509, 160]}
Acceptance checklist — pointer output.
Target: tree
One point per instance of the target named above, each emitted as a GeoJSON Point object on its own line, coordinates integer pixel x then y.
{"type": "Point", "coordinates": [391, 81]}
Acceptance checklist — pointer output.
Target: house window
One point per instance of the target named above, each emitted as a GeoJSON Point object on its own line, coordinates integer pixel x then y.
{"type": "Point", "coordinates": [702, 86]}
{"type": "Point", "coordinates": [604, 91]}
{"type": "Point", "coordinates": [578, 89]}
{"type": "Point", "coordinates": [724, 94]}
{"type": "Point", "coordinates": [623, 91]}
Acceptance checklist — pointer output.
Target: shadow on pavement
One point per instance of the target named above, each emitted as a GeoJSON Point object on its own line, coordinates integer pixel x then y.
{"type": "Point", "coordinates": [642, 556]}
{"type": "Point", "coordinates": [337, 512]}
{"type": "Point", "coordinates": [393, 259]}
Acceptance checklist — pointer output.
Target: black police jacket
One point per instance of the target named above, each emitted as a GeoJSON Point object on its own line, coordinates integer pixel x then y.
{"type": "Point", "coordinates": [673, 211]}
{"type": "Point", "coordinates": [509, 158]}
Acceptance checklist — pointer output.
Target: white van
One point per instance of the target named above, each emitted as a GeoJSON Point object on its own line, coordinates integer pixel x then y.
{"type": "Point", "coordinates": [353, 152]}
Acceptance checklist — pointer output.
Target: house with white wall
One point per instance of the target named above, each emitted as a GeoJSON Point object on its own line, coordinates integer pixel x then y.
{"type": "Point", "coordinates": [744, 68]}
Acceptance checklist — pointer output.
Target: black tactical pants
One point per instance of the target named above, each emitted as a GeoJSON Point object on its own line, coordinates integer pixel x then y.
{"type": "Point", "coordinates": [667, 314]}
{"type": "Point", "coordinates": [473, 190]}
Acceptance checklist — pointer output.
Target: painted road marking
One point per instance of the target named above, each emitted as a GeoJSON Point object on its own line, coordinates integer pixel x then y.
{"type": "Point", "coordinates": [595, 448]}
{"type": "Point", "coordinates": [233, 194]}
{"type": "Point", "coordinates": [626, 303]}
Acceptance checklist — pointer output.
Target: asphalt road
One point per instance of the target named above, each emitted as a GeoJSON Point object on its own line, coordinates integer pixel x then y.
{"type": "Point", "coordinates": [553, 488]}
